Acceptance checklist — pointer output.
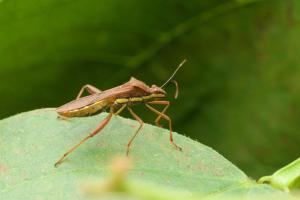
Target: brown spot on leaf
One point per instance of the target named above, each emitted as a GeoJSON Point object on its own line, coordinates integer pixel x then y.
{"type": "Point", "coordinates": [3, 168]}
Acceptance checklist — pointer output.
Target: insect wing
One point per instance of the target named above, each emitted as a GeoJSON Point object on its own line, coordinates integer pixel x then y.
{"type": "Point", "coordinates": [91, 99]}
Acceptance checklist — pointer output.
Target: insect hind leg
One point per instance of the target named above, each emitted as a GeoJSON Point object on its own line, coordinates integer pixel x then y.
{"type": "Point", "coordinates": [96, 131]}
{"type": "Point", "coordinates": [60, 117]}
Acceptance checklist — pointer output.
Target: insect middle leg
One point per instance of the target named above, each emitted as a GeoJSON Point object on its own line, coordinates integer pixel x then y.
{"type": "Point", "coordinates": [90, 89]}
{"type": "Point", "coordinates": [170, 123]}
{"type": "Point", "coordinates": [137, 131]}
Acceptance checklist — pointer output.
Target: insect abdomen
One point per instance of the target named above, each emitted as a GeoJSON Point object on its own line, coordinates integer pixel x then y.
{"type": "Point", "coordinates": [86, 110]}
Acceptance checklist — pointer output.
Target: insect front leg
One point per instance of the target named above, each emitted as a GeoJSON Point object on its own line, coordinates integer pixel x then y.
{"type": "Point", "coordinates": [170, 124]}
{"type": "Point", "coordinates": [167, 103]}
{"type": "Point", "coordinates": [89, 88]}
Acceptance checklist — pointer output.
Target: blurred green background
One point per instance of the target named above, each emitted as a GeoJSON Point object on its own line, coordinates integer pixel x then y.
{"type": "Point", "coordinates": [239, 90]}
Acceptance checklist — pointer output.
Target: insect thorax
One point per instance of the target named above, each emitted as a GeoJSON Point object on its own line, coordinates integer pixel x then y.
{"type": "Point", "coordinates": [137, 100]}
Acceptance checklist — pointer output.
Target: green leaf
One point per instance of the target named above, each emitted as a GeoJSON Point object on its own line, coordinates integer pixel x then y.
{"type": "Point", "coordinates": [31, 142]}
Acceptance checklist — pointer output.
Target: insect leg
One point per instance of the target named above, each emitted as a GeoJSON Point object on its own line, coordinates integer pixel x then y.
{"type": "Point", "coordinates": [91, 89]}
{"type": "Point", "coordinates": [97, 130]}
{"type": "Point", "coordinates": [170, 124]}
{"type": "Point", "coordinates": [62, 117]}
{"type": "Point", "coordinates": [167, 103]}
{"type": "Point", "coordinates": [137, 131]}
{"type": "Point", "coordinates": [120, 109]}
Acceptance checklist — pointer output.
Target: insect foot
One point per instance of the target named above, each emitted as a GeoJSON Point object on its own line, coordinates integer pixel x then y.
{"type": "Point", "coordinates": [177, 147]}
{"type": "Point", "coordinates": [60, 117]}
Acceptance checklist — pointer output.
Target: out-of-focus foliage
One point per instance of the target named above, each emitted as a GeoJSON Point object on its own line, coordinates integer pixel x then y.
{"type": "Point", "coordinates": [239, 89]}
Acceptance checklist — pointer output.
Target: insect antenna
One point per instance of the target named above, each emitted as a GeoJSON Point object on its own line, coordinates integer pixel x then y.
{"type": "Point", "coordinates": [179, 66]}
{"type": "Point", "coordinates": [173, 81]}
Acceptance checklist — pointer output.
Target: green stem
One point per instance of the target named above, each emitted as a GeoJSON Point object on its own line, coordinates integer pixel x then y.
{"type": "Point", "coordinates": [286, 178]}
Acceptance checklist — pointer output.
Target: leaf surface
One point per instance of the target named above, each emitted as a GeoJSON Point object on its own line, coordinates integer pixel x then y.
{"type": "Point", "coordinates": [31, 142]}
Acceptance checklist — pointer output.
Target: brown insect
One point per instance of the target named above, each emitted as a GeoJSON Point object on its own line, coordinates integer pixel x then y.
{"type": "Point", "coordinates": [116, 99]}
